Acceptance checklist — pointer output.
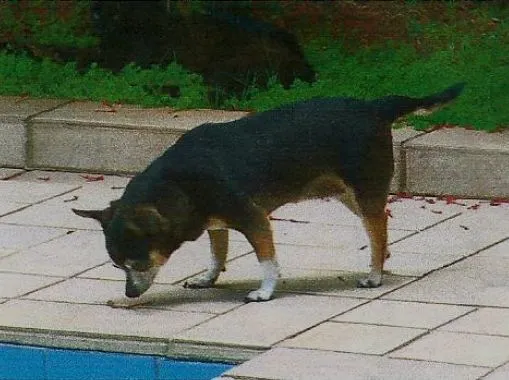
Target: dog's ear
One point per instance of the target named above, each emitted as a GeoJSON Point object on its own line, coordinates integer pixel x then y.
{"type": "Point", "coordinates": [102, 216]}
{"type": "Point", "coordinates": [147, 220]}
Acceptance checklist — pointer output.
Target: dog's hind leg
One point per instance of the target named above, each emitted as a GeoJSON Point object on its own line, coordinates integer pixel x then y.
{"type": "Point", "coordinates": [219, 250]}
{"type": "Point", "coordinates": [376, 227]}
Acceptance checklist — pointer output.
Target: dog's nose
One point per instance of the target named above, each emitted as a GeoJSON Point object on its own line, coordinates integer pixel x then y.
{"type": "Point", "coordinates": [131, 291]}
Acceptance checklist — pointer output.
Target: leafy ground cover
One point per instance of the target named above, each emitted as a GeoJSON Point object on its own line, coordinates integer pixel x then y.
{"type": "Point", "coordinates": [437, 47]}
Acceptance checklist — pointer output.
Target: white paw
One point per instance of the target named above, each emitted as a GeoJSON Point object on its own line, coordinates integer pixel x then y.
{"type": "Point", "coordinates": [200, 282]}
{"type": "Point", "coordinates": [374, 280]}
{"type": "Point", "coordinates": [259, 295]}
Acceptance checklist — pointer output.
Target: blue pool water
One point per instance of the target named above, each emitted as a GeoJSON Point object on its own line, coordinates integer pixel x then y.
{"type": "Point", "coordinates": [40, 363]}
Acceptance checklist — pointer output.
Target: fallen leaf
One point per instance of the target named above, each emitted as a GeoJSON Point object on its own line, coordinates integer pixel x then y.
{"type": "Point", "coordinates": [451, 200]}
{"type": "Point", "coordinates": [393, 198]}
{"type": "Point", "coordinates": [498, 201]}
{"type": "Point", "coordinates": [388, 213]}
{"type": "Point", "coordinates": [474, 207]}
{"type": "Point", "coordinates": [431, 201]}
{"type": "Point", "coordinates": [108, 107]}
{"type": "Point", "coordinates": [92, 178]}
{"type": "Point", "coordinates": [404, 194]}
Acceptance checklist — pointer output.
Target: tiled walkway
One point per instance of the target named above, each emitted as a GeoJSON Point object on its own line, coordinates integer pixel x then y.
{"type": "Point", "coordinates": [442, 312]}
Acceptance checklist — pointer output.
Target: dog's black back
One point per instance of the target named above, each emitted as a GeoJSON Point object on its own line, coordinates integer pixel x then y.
{"type": "Point", "coordinates": [278, 152]}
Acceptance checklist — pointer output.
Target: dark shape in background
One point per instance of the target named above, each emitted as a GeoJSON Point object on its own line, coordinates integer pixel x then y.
{"type": "Point", "coordinates": [230, 49]}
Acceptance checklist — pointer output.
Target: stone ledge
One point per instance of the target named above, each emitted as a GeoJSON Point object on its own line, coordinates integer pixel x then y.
{"type": "Point", "coordinates": [458, 162]}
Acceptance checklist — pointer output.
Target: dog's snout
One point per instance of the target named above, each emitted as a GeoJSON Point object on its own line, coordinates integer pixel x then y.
{"type": "Point", "coordinates": [138, 282]}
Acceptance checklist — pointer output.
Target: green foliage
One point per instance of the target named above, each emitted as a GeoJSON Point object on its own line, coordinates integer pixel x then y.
{"type": "Point", "coordinates": [481, 61]}
{"type": "Point", "coordinates": [20, 74]}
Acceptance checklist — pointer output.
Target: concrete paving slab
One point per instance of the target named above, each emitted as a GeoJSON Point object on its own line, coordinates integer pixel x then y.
{"type": "Point", "coordinates": [463, 235]}
{"type": "Point", "coordinates": [17, 284]}
{"type": "Point", "coordinates": [478, 281]}
{"type": "Point", "coordinates": [354, 338]}
{"type": "Point", "coordinates": [20, 237]}
{"type": "Point", "coordinates": [404, 314]}
{"type": "Point", "coordinates": [14, 191]}
{"type": "Point", "coordinates": [486, 321]}
{"type": "Point", "coordinates": [501, 373]}
{"type": "Point", "coordinates": [96, 320]}
{"type": "Point", "coordinates": [417, 264]}
{"type": "Point", "coordinates": [6, 173]}
{"type": "Point", "coordinates": [355, 260]}
{"type": "Point", "coordinates": [323, 235]}
{"type": "Point", "coordinates": [6, 252]}
{"type": "Point", "coordinates": [65, 256]}
{"type": "Point", "coordinates": [459, 162]}
{"type": "Point", "coordinates": [498, 250]}
{"type": "Point", "coordinates": [18, 108]}
{"type": "Point", "coordinates": [264, 324]}
{"type": "Point", "coordinates": [298, 364]}
{"type": "Point", "coordinates": [10, 207]}
{"type": "Point", "coordinates": [166, 297]}
{"type": "Point", "coordinates": [129, 116]}
{"type": "Point", "coordinates": [73, 178]}
{"type": "Point", "coordinates": [414, 214]}
{"type": "Point", "coordinates": [191, 259]}
{"type": "Point", "coordinates": [58, 213]}
{"type": "Point", "coordinates": [244, 274]}
{"type": "Point", "coordinates": [458, 348]}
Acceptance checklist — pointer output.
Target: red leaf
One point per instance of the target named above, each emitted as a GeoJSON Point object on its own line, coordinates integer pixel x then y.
{"type": "Point", "coordinates": [107, 107]}
{"type": "Point", "coordinates": [404, 195]}
{"type": "Point", "coordinates": [451, 200]}
{"type": "Point", "coordinates": [474, 207]}
{"type": "Point", "coordinates": [93, 178]}
{"type": "Point", "coordinates": [388, 213]}
{"type": "Point", "coordinates": [498, 201]}
{"type": "Point", "coordinates": [393, 198]}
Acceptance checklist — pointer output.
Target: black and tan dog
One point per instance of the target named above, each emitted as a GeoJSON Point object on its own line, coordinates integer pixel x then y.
{"type": "Point", "coordinates": [233, 175]}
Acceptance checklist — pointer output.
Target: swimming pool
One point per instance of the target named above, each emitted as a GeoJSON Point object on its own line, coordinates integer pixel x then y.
{"type": "Point", "coordinates": [19, 362]}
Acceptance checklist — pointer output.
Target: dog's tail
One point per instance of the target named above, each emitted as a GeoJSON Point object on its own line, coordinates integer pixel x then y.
{"type": "Point", "coordinates": [391, 108]}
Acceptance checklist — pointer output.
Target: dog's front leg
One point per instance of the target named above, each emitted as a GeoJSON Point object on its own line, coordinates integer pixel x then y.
{"type": "Point", "coordinates": [263, 244]}
{"type": "Point", "coordinates": [219, 250]}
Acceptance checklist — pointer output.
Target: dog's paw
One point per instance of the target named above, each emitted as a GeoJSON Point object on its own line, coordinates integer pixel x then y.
{"type": "Point", "coordinates": [199, 283]}
{"type": "Point", "coordinates": [124, 303]}
{"type": "Point", "coordinates": [369, 283]}
{"type": "Point", "coordinates": [259, 295]}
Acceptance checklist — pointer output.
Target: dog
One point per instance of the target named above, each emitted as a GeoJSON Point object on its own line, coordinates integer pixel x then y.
{"type": "Point", "coordinates": [233, 175]}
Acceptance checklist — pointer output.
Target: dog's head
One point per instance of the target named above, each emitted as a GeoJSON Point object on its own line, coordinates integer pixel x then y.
{"type": "Point", "coordinates": [139, 239]}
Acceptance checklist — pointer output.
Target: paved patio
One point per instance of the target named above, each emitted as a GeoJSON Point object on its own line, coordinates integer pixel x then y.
{"type": "Point", "coordinates": [442, 312]}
